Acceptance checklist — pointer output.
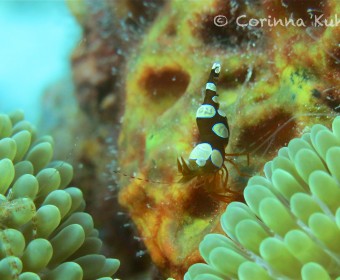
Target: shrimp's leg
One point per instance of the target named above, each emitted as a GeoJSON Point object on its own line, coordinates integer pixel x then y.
{"type": "Point", "coordinates": [237, 168]}
{"type": "Point", "coordinates": [239, 154]}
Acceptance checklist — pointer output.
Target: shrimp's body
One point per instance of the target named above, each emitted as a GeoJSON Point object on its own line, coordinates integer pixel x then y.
{"type": "Point", "coordinates": [208, 157]}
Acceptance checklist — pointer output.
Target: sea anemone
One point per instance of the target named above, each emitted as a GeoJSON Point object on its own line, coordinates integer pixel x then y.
{"type": "Point", "coordinates": [289, 227]}
{"type": "Point", "coordinates": [44, 232]}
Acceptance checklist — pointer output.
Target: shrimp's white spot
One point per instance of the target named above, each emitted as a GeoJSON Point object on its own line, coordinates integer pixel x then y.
{"type": "Point", "coordinates": [215, 99]}
{"type": "Point", "coordinates": [201, 162]}
{"type": "Point", "coordinates": [221, 130]}
{"type": "Point", "coordinates": [217, 67]}
{"type": "Point", "coordinates": [216, 158]}
{"type": "Point", "coordinates": [205, 111]}
{"type": "Point", "coordinates": [210, 86]}
{"type": "Point", "coordinates": [221, 113]}
{"type": "Point", "coordinates": [201, 152]}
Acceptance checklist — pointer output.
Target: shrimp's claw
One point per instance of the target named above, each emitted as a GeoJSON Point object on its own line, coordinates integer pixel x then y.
{"type": "Point", "coordinates": [182, 166]}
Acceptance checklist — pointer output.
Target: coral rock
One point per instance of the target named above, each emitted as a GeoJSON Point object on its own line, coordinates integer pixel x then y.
{"type": "Point", "coordinates": [274, 82]}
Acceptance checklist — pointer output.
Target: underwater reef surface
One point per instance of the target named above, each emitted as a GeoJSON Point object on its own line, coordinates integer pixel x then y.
{"type": "Point", "coordinates": [139, 73]}
{"type": "Point", "coordinates": [289, 227]}
{"type": "Point", "coordinates": [269, 87]}
{"type": "Point", "coordinates": [45, 233]}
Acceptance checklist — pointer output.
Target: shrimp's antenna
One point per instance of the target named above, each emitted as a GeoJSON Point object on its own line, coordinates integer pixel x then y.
{"type": "Point", "coordinates": [140, 178]}
{"type": "Point", "coordinates": [270, 139]}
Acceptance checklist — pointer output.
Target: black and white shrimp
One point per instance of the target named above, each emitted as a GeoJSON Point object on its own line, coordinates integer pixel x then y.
{"type": "Point", "coordinates": [208, 157]}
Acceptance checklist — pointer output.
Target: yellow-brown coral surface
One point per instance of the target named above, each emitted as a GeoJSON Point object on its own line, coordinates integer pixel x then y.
{"type": "Point", "coordinates": [269, 75]}
{"type": "Point", "coordinates": [275, 80]}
